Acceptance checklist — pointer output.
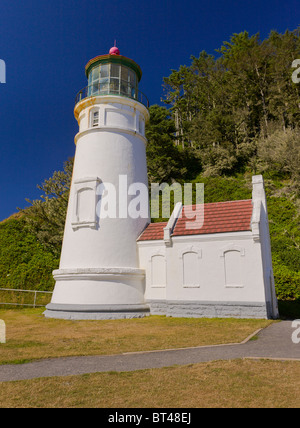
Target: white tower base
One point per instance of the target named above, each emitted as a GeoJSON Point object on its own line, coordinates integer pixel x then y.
{"type": "Point", "coordinates": [88, 286]}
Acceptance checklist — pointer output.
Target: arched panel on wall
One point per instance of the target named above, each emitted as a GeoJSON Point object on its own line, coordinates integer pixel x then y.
{"type": "Point", "coordinates": [190, 259]}
{"type": "Point", "coordinates": [85, 198]}
{"type": "Point", "coordinates": [158, 270]}
{"type": "Point", "coordinates": [233, 256]}
{"type": "Point", "coordinates": [84, 214]}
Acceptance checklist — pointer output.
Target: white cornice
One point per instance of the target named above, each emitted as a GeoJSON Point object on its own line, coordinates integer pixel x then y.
{"type": "Point", "coordinates": [110, 99]}
{"type": "Point", "coordinates": [116, 129]}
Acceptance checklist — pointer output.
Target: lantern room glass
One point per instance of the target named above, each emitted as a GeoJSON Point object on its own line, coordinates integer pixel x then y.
{"type": "Point", "coordinates": [112, 78]}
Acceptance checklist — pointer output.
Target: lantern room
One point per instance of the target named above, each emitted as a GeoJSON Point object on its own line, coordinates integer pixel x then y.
{"type": "Point", "coordinates": [113, 74]}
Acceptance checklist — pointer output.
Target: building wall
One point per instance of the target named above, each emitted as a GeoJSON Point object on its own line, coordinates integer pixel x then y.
{"type": "Point", "coordinates": [205, 275]}
{"type": "Point", "coordinates": [213, 275]}
{"type": "Point", "coordinates": [261, 234]}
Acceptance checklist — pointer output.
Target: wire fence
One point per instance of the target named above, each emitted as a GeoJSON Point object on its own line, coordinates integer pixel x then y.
{"type": "Point", "coordinates": [29, 298]}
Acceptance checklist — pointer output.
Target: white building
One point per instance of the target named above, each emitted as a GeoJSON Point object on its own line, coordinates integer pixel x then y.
{"type": "Point", "coordinates": [122, 266]}
{"type": "Point", "coordinates": [221, 269]}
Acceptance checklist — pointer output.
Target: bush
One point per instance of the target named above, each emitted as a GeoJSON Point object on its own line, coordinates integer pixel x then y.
{"type": "Point", "coordinates": [287, 282]}
{"type": "Point", "coordinates": [24, 263]}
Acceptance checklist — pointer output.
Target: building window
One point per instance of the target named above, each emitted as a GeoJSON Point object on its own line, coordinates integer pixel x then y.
{"type": "Point", "coordinates": [233, 257]}
{"type": "Point", "coordinates": [158, 271]}
{"type": "Point", "coordinates": [190, 269]}
{"type": "Point", "coordinates": [191, 266]}
{"type": "Point", "coordinates": [233, 269]}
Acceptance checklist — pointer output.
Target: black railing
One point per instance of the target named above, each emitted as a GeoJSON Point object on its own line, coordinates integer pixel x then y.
{"type": "Point", "coordinates": [113, 87]}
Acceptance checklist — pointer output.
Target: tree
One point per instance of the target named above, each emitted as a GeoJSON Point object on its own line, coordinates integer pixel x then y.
{"type": "Point", "coordinates": [163, 158]}
{"type": "Point", "coordinates": [284, 102]}
{"type": "Point", "coordinates": [224, 106]}
{"type": "Point", "coordinates": [280, 152]}
{"type": "Point", "coordinates": [45, 218]}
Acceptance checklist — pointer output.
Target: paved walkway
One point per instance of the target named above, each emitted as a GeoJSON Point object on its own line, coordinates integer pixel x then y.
{"type": "Point", "coordinates": [273, 342]}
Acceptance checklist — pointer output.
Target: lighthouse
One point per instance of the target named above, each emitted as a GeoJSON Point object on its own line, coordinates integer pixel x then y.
{"type": "Point", "coordinates": [99, 275]}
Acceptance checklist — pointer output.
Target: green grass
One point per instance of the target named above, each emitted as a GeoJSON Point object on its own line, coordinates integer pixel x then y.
{"type": "Point", "coordinates": [29, 335]}
{"type": "Point", "coordinates": [216, 384]}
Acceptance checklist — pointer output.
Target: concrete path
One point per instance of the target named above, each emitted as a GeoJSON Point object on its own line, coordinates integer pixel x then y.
{"type": "Point", "coordinates": [274, 342]}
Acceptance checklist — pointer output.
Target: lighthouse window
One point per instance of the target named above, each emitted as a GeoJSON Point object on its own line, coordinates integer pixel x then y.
{"type": "Point", "coordinates": [95, 118]}
{"type": "Point", "coordinates": [112, 79]}
{"type": "Point", "coordinates": [115, 70]}
{"type": "Point", "coordinates": [104, 78]}
{"type": "Point", "coordinates": [132, 80]}
{"type": "Point", "coordinates": [131, 77]}
{"type": "Point", "coordinates": [124, 74]}
{"type": "Point", "coordinates": [114, 86]}
{"type": "Point", "coordinates": [95, 73]}
{"type": "Point", "coordinates": [115, 78]}
{"type": "Point", "coordinates": [104, 71]}
{"type": "Point", "coordinates": [124, 82]}
{"type": "Point", "coordinates": [94, 82]}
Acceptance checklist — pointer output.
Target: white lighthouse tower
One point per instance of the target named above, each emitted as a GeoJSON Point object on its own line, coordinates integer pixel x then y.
{"type": "Point", "coordinates": [99, 275]}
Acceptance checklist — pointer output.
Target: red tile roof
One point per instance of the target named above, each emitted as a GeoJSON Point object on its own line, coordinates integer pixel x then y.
{"type": "Point", "coordinates": [153, 231]}
{"type": "Point", "coordinates": [219, 217]}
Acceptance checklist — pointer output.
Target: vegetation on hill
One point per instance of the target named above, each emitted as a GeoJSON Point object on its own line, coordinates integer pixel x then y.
{"type": "Point", "coordinates": [240, 111]}
{"type": "Point", "coordinates": [225, 119]}
{"type": "Point", "coordinates": [24, 262]}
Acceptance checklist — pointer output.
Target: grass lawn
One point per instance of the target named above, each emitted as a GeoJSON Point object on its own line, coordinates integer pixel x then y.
{"type": "Point", "coordinates": [236, 383]}
{"type": "Point", "coordinates": [29, 335]}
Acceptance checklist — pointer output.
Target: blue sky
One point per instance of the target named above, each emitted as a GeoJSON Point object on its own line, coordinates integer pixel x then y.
{"type": "Point", "coordinates": [46, 44]}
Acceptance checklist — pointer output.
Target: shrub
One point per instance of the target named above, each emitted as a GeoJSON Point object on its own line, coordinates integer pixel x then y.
{"type": "Point", "coordinates": [24, 262]}
{"type": "Point", "coordinates": [287, 282]}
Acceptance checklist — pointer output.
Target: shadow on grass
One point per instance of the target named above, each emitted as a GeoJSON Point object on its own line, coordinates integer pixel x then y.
{"type": "Point", "coordinates": [289, 309]}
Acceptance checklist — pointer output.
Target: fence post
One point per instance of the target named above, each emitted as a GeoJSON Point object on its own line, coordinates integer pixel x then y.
{"type": "Point", "coordinates": [34, 302]}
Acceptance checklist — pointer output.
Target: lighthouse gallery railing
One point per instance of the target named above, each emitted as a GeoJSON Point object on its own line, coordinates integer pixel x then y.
{"type": "Point", "coordinates": [113, 87]}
